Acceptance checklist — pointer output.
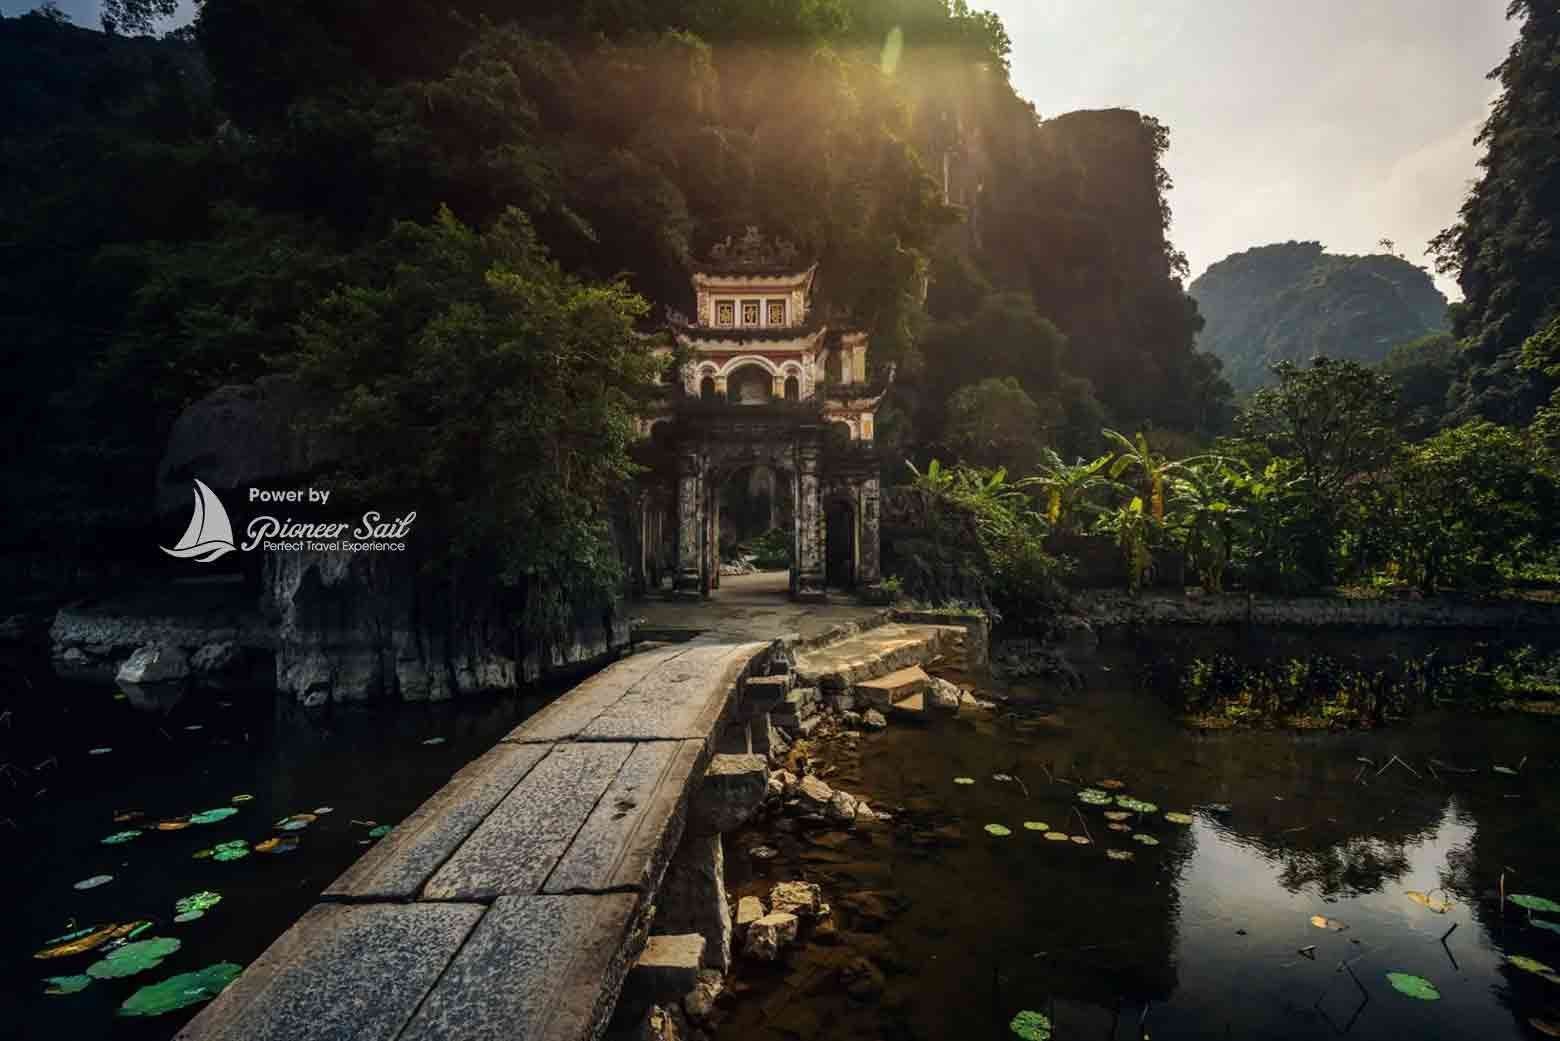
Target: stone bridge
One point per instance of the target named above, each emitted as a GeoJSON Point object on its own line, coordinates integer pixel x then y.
{"type": "Point", "coordinates": [514, 902]}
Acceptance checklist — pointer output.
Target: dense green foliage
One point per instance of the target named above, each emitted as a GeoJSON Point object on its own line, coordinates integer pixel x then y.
{"type": "Point", "coordinates": [1292, 302]}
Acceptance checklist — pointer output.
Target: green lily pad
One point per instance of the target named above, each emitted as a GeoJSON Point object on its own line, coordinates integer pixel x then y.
{"type": "Point", "coordinates": [1413, 986]}
{"type": "Point", "coordinates": [181, 991]}
{"type": "Point", "coordinates": [93, 882]}
{"type": "Point", "coordinates": [234, 849]}
{"type": "Point", "coordinates": [1541, 924]}
{"type": "Point", "coordinates": [1508, 771]}
{"type": "Point", "coordinates": [185, 917]}
{"type": "Point", "coordinates": [139, 928]}
{"type": "Point", "coordinates": [67, 984]}
{"type": "Point", "coordinates": [1127, 802]}
{"type": "Point", "coordinates": [1094, 797]}
{"type": "Point", "coordinates": [379, 832]}
{"type": "Point", "coordinates": [1031, 1026]}
{"type": "Point", "coordinates": [213, 816]}
{"type": "Point", "coordinates": [202, 854]}
{"type": "Point", "coordinates": [964, 780]}
{"type": "Point", "coordinates": [204, 900]}
{"type": "Point", "coordinates": [1120, 854]}
{"type": "Point", "coordinates": [1036, 826]}
{"type": "Point", "coordinates": [1147, 840]}
{"type": "Point", "coordinates": [277, 844]}
{"type": "Point", "coordinates": [121, 837]}
{"type": "Point", "coordinates": [320, 811]}
{"type": "Point", "coordinates": [1534, 903]}
{"type": "Point", "coordinates": [1532, 965]}
{"type": "Point", "coordinates": [998, 830]}
{"type": "Point", "coordinates": [1179, 818]}
{"type": "Point", "coordinates": [133, 958]}
{"type": "Point", "coordinates": [73, 935]}
{"type": "Point", "coordinates": [245, 797]}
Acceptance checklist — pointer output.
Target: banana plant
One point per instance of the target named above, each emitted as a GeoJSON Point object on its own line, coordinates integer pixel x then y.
{"type": "Point", "coordinates": [1130, 524]}
{"type": "Point", "coordinates": [1135, 454]}
{"type": "Point", "coordinates": [1205, 509]}
{"type": "Point", "coordinates": [1071, 491]}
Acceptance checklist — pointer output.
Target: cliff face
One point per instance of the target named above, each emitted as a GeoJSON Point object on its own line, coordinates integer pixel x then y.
{"type": "Point", "coordinates": [1293, 301]}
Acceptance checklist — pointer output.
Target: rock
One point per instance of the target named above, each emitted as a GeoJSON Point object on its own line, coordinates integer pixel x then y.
{"type": "Point", "coordinates": [799, 898]}
{"type": "Point", "coordinates": [769, 935]}
{"type": "Point", "coordinates": [841, 701]}
{"type": "Point", "coordinates": [884, 691]}
{"type": "Point", "coordinates": [669, 965]}
{"type": "Point", "coordinates": [700, 1001]}
{"type": "Point", "coordinates": [815, 795]}
{"type": "Point", "coordinates": [872, 719]}
{"type": "Point", "coordinates": [660, 1025]}
{"type": "Point", "coordinates": [842, 807]}
{"type": "Point", "coordinates": [943, 696]}
{"type": "Point", "coordinates": [763, 738]}
{"type": "Point", "coordinates": [864, 812]}
{"type": "Point", "coordinates": [733, 788]}
{"type": "Point", "coordinates": [154, 663]}
{"type": "Point", "coordinates": [214, 658]}
{"type": "Point", "coordinates": [749, 910]}
{"type": "Point", "coordinates": [850, 719]}
{"type": "Point", "coordinates": [781, 783]}
{"type": "Point", "coordinates": [764, 852]}
{"type": "Point", "coordinates": [692, 898]}
{"type": "Point", "coordinates": [74, 656]}
{"type": "Point", "coordinates": [765, 693]}
{"type": "Point", "coordinates": [863, 980]}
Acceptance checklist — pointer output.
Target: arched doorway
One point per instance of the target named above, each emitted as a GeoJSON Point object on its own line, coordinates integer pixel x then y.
{"type": "Point", "coordinates": [840, 556]}
{"type": "Point", "coordinates": [755, 518]}
{"type": "Point", "coordinates": [707, 389]}
{"type": "Point", "coordinates": [750, 385]}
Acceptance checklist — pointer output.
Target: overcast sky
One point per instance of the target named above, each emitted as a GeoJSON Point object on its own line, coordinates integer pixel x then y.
{"type": "Point", "coordinates": [1344, 121]}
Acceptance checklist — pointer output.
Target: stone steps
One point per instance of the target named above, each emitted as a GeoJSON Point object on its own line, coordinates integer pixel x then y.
{"type": "Point", "coordinates": [840, 670]}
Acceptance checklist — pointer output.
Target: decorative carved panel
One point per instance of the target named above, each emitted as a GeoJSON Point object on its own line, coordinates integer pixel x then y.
{"type": "Point", "coordinates": [725, 314]}
{"type": "Point", "coordinates": [750, 312]}
{"type": "Point", "coordinates": [776, 312]}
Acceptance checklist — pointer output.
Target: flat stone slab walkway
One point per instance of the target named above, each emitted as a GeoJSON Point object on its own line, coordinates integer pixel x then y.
{"type": "Point", "coordinates": [876, 652]}
{"type": "Point", "coordinates": [753, 607]}
{"type": "Point", "coordinates": [512, 902]}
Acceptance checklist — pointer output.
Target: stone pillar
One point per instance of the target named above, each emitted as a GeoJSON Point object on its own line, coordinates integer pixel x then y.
{"type": "Point", "coordinates": [692, 897]}
{"type": "Point", "coordinates": [870, 548]}
{"type": "Point", "coordinates": [690, 528]}
{"type": "Point", "coordinates": [810, 577]}
{"type": "Point", "coordinates": [714, 555]}
{"type": "Point", "coordinates": [720, 386]}
{"type": "Point", "coordinates": [777, 386]}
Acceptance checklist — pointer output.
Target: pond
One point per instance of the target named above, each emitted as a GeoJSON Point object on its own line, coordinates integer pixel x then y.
{"type": "Point", "coordinates": [943, 931]}
{"type": "Point", "coordinates": [90, 762]}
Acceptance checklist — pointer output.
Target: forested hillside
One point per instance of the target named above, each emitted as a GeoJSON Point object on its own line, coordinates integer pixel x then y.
{"type": "Point", "coordinates": [277, 189]}
{"type": "Point", "coordinates": [1293, 302]}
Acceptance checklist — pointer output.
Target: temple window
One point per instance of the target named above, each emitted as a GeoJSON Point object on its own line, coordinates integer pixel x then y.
{"type": "Point", "coordinates": [725, 314]}
{"type": "Point", "coordinates": [793, 389]}
{"type": "Point", "coordinates": [776, 314]}
{"type": "Point", "coordinates": [750, 312]}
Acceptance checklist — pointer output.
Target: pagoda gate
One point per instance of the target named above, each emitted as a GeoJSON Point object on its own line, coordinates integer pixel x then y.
{"type": "Point", "coordinates": [770, 394]}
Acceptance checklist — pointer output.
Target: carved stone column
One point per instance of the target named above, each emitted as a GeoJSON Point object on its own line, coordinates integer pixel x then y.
{"type": "Point", "coordinates": [690, 527]}
{"type": "Point", "coordinates": [870, 548]}
{"type": "Point", "coordinates": [810, 577]}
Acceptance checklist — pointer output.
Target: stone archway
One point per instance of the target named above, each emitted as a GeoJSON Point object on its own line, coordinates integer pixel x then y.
{"type": "Point", "coordinates": [841, 541]}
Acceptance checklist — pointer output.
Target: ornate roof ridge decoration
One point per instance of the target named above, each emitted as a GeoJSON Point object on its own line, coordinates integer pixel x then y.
{"type": "Point", "coordinates": [753, 253]}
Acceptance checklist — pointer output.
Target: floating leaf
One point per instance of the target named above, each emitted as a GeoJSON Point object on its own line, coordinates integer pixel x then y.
{"type": "Point", "coordinates": [1111, 785]}
{"type": "Point", "coordinates": [221, 813]}
{"type": "Point", "coordinates": [194, 726]}
{"type": "Point", "coordinates": [320, 811]}
{"type": "Point", "coordinates": [93, 882]}
{"type": "Point", "coordinates": [1413, 986]}
{"type": "Point", "coordinates": [1117, 815]}
{"type": "Point", "coordinates": [379, 832]}
{"type": "Point", "coordinates": [202, 854]}
{"type": "Point", "coordinates": [1031, 1026]}
{"type": "Point", "coordinates": [1118, 826]}
{"type": "Point", "coordinates": [279, 844]}
{"type": "Point", "coordinates": [1438, 904]}
{"type": "Point", "coordinates": [80, 941]}
{"type": "Point", "coordinates": [204, 900]}
{"type": "Point", "coordinates": [1056, 836]}
{"type": "Point", "coordinates": [188, 916]}
{"type": "Point", "coordinates": [1534, 903]}
{"type": "Point", "coordinates": [242, 798]}
{"type": "Point", "coordinates": [99, 751]}
{"type": "Point", "coordinates": [1005, 778]}
{"type": "Point", "coordinates": [120, 837]}
{"type": "Point", "coordinates": [1120, 854]}
{"type": "Point", "coordinates": [1534, 966]}
{"type": "Point", "coordinates": [434, 741]}
{"type": "Point", "coordinates": [126, 816]}
{"type": "Point", "coordinates": [1147, 840]}
{"type": "Point", "coordinates": [67, 984]}
{"type": "Point", "coordinates": [235, 849]}
{"type": "Point", "coordinates": [1539, 923]}
{"type": "Point", "coordinates": [1094, 797]}
{"type": "Point", "coordinates": [140, 928]}
{"type": "Point", "coordinates": [1179, 818]}
{"type": "Point", "coordinates": [964, 780]}
{"type": "Point", "coordinates": [181, 991]}
{"type": "Point", "coordinates": [998, 830]}
{"type": "Point", "coordinates": [1331, 924]}
{"type": "Point", "coordinates": [133, 958]}
{"type": "Point", "coordinates": [1547, 1027]}
{"type": "Point", "coordinates": [297, 822]}
{"type": "Point", "coordinates": [1508, 771]}
{"type": "Point", "coordinates": [174, 825]}
{"type": "Point", "coordinates": [72, 935]}
{"type": "Point", "coordinates": [1081, 840]}
{"type": "Point", "coordinates": [1036, 826]}
{"type": "Point", "coordinates": [1127, 802]}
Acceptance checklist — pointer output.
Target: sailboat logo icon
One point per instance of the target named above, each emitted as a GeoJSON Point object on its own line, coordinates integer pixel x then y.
{"type": "Point", "coordinates": [210, 534]}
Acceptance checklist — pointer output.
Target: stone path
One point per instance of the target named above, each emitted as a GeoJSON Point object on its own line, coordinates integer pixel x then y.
{"type": "Point", "coordinates": [512, 902]}
{"type": "Point", "coordinates": [752, 607]}
{"type": "Point", "coordinates": [842, 665]}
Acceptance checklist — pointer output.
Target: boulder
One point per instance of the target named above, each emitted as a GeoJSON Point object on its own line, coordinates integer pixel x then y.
{"type": "Point", "coordinates": [872, 719]}
{"type": "Point", "coordinates": [660, 1025]}
{"type": "Point", "coordinates": [749, 910]}
{"type": "Point", "coordinates": [767, 937]}
{"type": "Point", "coordinates": [814, 794]}
{"type": "Point", "coordinates": [154, 663]}
{"type": "Point", "coordinates": [733, 789]}
{"type": "Point", "coordinates": [700, 1001]}
{"type": "Point", "coordinates": [781, 783]}
{"type": "Point", "coordinates": [886, 690]}
{"type": "Point", "coordinates": [692, 898]}
{"type": "Point", "coordinates": [943, 696]}
{"type": "Point", "coordinates": [842, 807]}
{"type": "Point", "coordinates": [799, 898]}
{"type": "Point", "coordinates": [215, 658]}
{"type": "Point", "coordinates": [864, 812]}
{"type": "Point", "coordinates": [669, 965]}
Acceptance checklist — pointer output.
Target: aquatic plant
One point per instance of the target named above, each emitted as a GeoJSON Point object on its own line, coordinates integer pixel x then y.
{"type": "Point", "coordinates": [1147, 840]}
{"type": "Point", "coordinates": [1533, 965]}
{"type": "Point", "coordinates": [212, 816]}
{"type": "Point", "coordinates": [242, 798]}
{"type": "Point", "coordinates": [67, 984]}
{"type": "Point", "coordinates": [277, 844]}
{"type": "Point", "coordinates": [83, 940]}
{"type": "Point", "coordinates": [1440, 905]}
{"type": "Point", "coordinates": [93, 882]}
{"type": "Point", "coordinates": [1127, 802]}
{"type": "Point", "coordinates": [1120, 854]}
{"type": "Point", "coordinates": [1094, 797]}
{"type": "Point", "coordinates": [297, 822]}
{"type": "Point", "coordinates": [380, 832]}
{"type": "Point", "coordinates": [120, 837]}
{"type": "Point", "coordinates": [1330, 924]}
{"type": "Point", "coordinates": [1056, 836]}
{"type": "Point", "coordinates": [181, 991]}
{"type": "Point", "coordinates": [1036, 826]}
{"type": "Point", "coordinates": [1529, 902]}
{"type": "Point", "coordinates": [998, 830]}
{"type": "Point", "coordinates": [964, 780]}
{"type": "Point", "coordinates": [133, 958]}
{"type": "Point", "coordinates": [1413, 986]}
{"type": "Point", "coordinates": [1031, 1026]}
{"type": "Point", "coordinates": [1179, 818]}
{"type": "Point", "coordinates": [202, 901]}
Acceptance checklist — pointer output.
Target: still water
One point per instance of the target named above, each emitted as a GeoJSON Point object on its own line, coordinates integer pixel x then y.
{"type": "Point", "coordinates": [944, 932]}
{"type": "Point", "coordinates": [172, 754]}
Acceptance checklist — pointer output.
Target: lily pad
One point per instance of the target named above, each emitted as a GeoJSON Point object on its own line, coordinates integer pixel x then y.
{"type": "Point", "coordinates": [181, 991]}
{"type": "Point", "coordinates": [99, 751]}
{"type": "Point", "coordinates": [1120, 854]}
{"type": "Point", "coordinates": [94, 882]}
{"type": "Point", "coordinates": [204, 900]}
{"type": "Point", "coordinates": [998, 830]}
{"type": "Point", "coordinates": [1534, 903]}
{"type": "Point", "coordinates": [1179, 818]}
{"type": "Point", "coordinates": [126, 816]}
{"type": "Point", "coordinates": [1036, 826]}
{"type": "Point", "coordinates": [1111, 784]}
{"type": "Point", "coordinates": [1127, 802]}
{"type": "Point", "coordinates": [1055, 836]}
{"type": "Point", "coordinates": [379, 832]}
{"type": "Point", "coordinates": [1534, 966]}
{"type": "Point", "coordinates": [242, 798]}
{"type": "Point", "coordinates": [81, 941]}
{"type": "Point", "coordinates": [1094, 797]}
{"type": "Point", "coordinates": [235, 849]}
{"type": "Point", "coordinates": [1080, 840]}
{"type": "Point", "coordinates": [1117, 815]}
{"type": "Point", "coordinates": [1147, 840]}
{"type": "Point", "coordinates": [1118, 826]}
{"type": "Point", "coordinates": [1031, 1026]}
{"type": "Point", "coordinates": [67, 984]}
{"type": "Point", "coordinates": [202, 854]}
{"type": "Point", "coordinates": [964, 780]}
{"type": "Point", "coordinates": [1413, 986]}
{"type": "Point", "coordinates": [279, 844]}
{"type": "Point", "coordinates": [173, 825]}
{"type": "Point", "coordinates": [222, 813]}
{"type": "Point", "coordinates": [1330, 924]}
{"type": "Point", "coordinates": [188, 916]}
{"type": "Point", "coordinates": [1429, 901]}
{"type": "Point", "coordinates": [434, 741]}
{"type": "Point", "coordinates": [120, 837]}
{"type": "Point", "coordinates": [1539, 923]}
{"type": "Point", "coordinates": [133, 958]}
{"type": "Point", "coordinates": [320, 811]}
{"type": "Point", "coordinates": [297, 822]}
{"type": "Point", "coordinates": [1508, 771]}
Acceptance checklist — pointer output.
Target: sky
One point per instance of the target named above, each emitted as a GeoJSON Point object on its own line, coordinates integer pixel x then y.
{"type": "Point", "coordinates": [1340, 121]}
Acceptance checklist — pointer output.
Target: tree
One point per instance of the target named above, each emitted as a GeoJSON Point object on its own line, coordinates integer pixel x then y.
{"type": "Point", "coordinates": [1423, 372]}
{"type": "Point", "coordinates": [994, 424]}
{"type": "Point", "coordinates": [136, 17]}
